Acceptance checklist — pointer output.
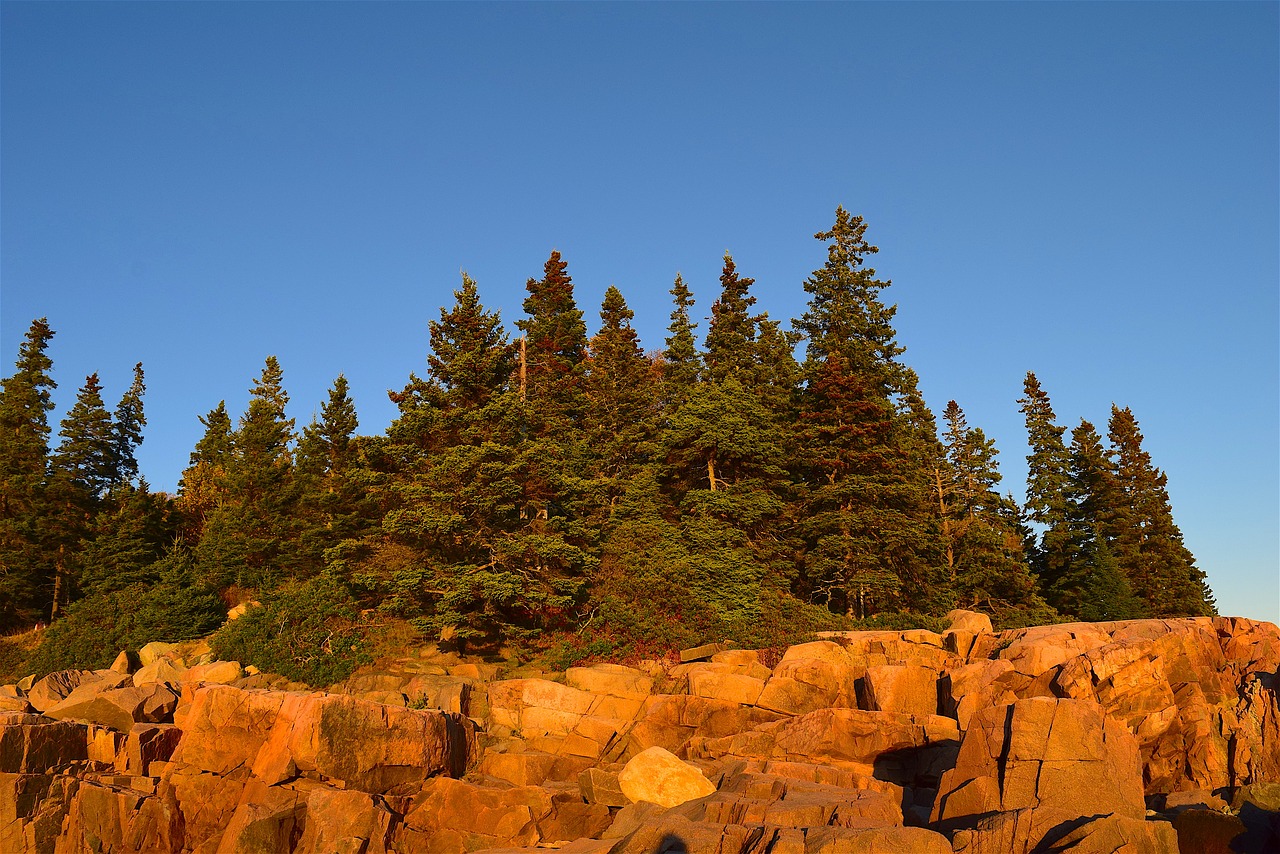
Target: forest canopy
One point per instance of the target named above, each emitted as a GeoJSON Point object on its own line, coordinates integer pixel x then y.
{"type": "Point", "coordinates": [552, 486]}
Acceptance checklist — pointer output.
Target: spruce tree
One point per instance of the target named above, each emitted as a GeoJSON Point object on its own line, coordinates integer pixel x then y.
{"type": "Point", "coordinates": [621, 400]}
{"type": "Point", "coordinates": [681, 362]}
{"type": "Point", "coordinates": [128, 539]}
{"type": "Point", "coordinates": [463, 556]}
{"type": "Point", "coordinates": [982, 543]}
{"type": "Point", "coordinates": [1091, 586]}
{"type": "Point", "coordinates": [127, 431]}
{"type": "Point", "coordinates": [87, 452]}
{"type": "Point", "coordinates": [731, 337]}
{"type": "Point", "coordinates": [25, 403]}
{"type": "Point", "coordinates": [247, 538]}
{"type": "Point", "coordinates": [201, 486]}
{"type": "Point", "coordinates": [867, 518]}
{"type": "Point", "coordinates": [1047, 471]}
{"type": "Point", "coordinates": [1146, 543]}
{"type": "Point", "coordinates": [555, 345]}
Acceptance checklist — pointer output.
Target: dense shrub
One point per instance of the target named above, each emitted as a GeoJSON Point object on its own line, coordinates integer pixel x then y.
{"type": "Point", "coordinates": [308, 632]}
{"type": "Point", "coordinates": [95, 629]}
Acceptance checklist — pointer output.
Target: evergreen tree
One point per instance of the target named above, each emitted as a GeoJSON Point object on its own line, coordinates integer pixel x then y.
{"type": "Point", "coordinates": [25, 403]}
{"type": "Point", "coordinates": [556, 343]}
{"type": "Point", "coordinates": [334, 502]}
{"type": "Point", "coordinates": [246, 540]}
{"type": "Point", "coordinates": [87, 451]}
{"type": "Point", "coordinates": [1092, 586]}
{"type": "Point", "coordinates": [1047, 472]}
{"type": "Point", "coordinates": [621, 399]}
{"type": "Point", "coordinates": [867, 518]}
{"type": "Point", "coordinates": [1146, 543]}
{"type": "Point", "coordinates": [128, 539]}
{"type": "Point", "coordinates": [681, 362]}
{"type": "Point", "coordinates": [127, 431]}
{"type": "Point", "coordinates": [200, 489]}
{"type": "Point", "coordinates": [982, 543]}
{"type": "Point", "coordinates": [473, 563]}
{"type": "Point", "coordinates": [731, 337]}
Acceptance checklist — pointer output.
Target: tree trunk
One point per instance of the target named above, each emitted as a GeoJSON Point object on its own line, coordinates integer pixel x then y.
{"type": "Point", "coordinates": [711, 470]}
{"type": "Point", "coordinates": [524, 365]}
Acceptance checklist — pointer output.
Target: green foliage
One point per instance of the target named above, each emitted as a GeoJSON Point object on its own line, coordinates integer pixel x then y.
{"type": "Point", "coordinates": [308, 632]}
{"type": "Point", "coordinates": [95, 629]}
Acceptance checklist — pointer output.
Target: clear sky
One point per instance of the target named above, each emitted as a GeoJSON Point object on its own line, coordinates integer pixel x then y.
{"type": "Point", "coordinates": [1087, 191]}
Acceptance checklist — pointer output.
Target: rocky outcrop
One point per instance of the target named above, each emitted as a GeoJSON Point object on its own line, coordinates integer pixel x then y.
{"type": "Point", "coordinates": [1140, 736]}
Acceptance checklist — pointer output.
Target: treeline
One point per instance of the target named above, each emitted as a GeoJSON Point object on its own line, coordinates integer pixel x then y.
{"type": "Point", "coordinates": [561, 485]}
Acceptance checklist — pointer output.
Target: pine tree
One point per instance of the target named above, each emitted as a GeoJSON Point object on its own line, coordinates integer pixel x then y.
{"type": "Point", "coordinates": [127, 431]}
{"type": "Point", "coordinates": [867, 519]}
{"type": "Point", "coordinates": [1146, 543]}
{"type": "Point", "coordinates": [1047, 471]}
{"type": "Point", "coordinates": [556, 343]}
{"type": "Point", "coordinates": [335, 501]}
{"type": "Point", "coordinates": [128, 540]}
{"type": "Point", "coordinates": [621, 400]}
{"type": "Point", "coordinates": [731, 337]}
{"type": "Point", "coordinates": [246, 540]}
{"type": "Point", "coordinates": [87, 451]}
{"type": "Point", "coordinates": [982, 543]}
{"type": "Point", "coordinates": [25, 403]}
{"type": "Point", "coordinates": [1092, 585]}
{"type": "Point", "coordinates": [201, 487]}
{"type": "Point", "coordinates": [465, 558]}
{"type": "Point", "coordinates": [681, 362]}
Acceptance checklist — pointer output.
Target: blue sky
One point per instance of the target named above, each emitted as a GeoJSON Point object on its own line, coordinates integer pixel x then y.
{"type": "Point", "coordinates": [1088, 191]}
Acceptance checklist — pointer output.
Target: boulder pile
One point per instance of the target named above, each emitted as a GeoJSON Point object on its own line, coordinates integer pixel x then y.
{"type": "Point", "coordinates": [1145, 736]}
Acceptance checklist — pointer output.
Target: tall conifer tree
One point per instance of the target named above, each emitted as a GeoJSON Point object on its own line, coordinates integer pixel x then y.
{"type": "Point", "coordinates": [681, 362]}
{"type": "Point", "coordinates": [866, 517]}
{"type": "Point", "coordinates": [1047, 471]}
{"type": "Point", "coordinates": [130, 418]}
{"type": "Point", "coordinates": [1146, 543]}
{"type": "Point", "coordinates": [25, 403]}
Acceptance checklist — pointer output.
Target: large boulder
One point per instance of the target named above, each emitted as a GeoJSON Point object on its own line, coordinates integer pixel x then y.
{"type": "Point", "coordinates": [659, 777]}
{"type": "Point", "coordinates": [1040, 752]}
{"type": "Point", "coordinates": [117, 708]}
{"type": "Point", "coordinates": [354, 743]}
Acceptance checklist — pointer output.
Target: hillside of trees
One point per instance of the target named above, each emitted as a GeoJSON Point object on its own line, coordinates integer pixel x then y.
{"type": "Point", "coordinates": [551, 489]}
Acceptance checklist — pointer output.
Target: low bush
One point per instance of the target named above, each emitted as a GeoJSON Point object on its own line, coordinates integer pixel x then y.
{"type": "Point", "coordinates": [95, 629]}
{"type": "Point", "coordinates": [309, 632]}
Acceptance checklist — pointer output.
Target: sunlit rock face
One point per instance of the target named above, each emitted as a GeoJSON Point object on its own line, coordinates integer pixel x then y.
{"type": "Point", "coordinates": [1130, 736]}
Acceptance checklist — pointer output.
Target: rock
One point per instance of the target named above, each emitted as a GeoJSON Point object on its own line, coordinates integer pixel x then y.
{"type": "Point", "coordinates": [156, 650]}
{"type": "Point", "coordinates": [55, 687]}
{"type": "Point", "coordinates": [123, 663]}
{"type": "Point", "coordinates": [670, 721]}
{"type": "Point", "coordinates": [717, 681]}
{"type": "Point", "coordinates": [217, 672]}
{"type": "Point", "coordinates": [240, 610]}
{"type": "Point", "coordinates": [1045, 829]}
{"type": "Point", "coordinates": [1209, 832]}
{"type": "Point", "coordinates": [659, 777]}
{"type": "Point", "coordinates": [612, 680]}
{"type": "Point", "coordinates": [367, 746]}
{"type": "Point", "coordinates": [118, 708]}
{"type": "Point", "coordinates": [979, 685]}
{"type": "Point", "coordinates": [969, 621]}
{"type": "Point", "coordinates": [346, 822]}
{"type": "Point", "coordinates": [881, 840]}
{"type": "Point", "coordinates": [812, 676]}
{"type": "Point", "coordinates": [30, 744]}
{"type": "Point", "coordinates": [904, 688]}
{"type": "Point", "coordinates": [599, 786]}
{"type": "Point", "coordinates": [702, 653]}
{"type": "Point", "coordinates": [1202, 799]}
{"type": "Point", "coordinates": [1040, 752]}
{"type": "Point", "coordinates": [903, 749]}
{"type": "Point", "coordinates": [160, 670]}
